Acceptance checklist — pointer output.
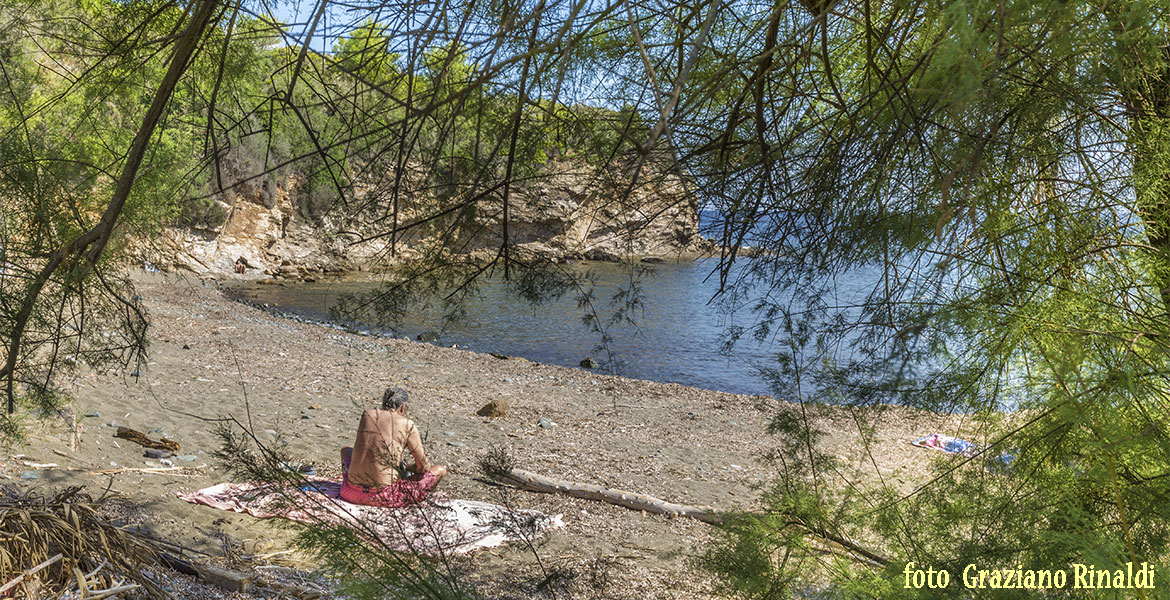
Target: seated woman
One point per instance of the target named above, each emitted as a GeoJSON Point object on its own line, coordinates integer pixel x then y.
{"type": "Point", "coordinates": [374, 470]}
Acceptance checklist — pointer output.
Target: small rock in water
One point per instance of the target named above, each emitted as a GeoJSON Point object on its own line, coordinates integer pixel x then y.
{"type": "Point", "coordinates": [427, 336]}
{"type": "Point", "coordinates": [157, 453]}
{"type": "Point", "coordinates": [496, 408]}
{"type": "Point", "coordinates": [545, 423]}
{"type": "Point", "coordinates": [456, 444]}
{"type": "Point", "coordinates": [589, 363]}
{"type": "Point", "coordinates": [30, 475]}
{"type": "Point", "coordinates": [93, 414]}
{"type": "Point", "coordinates": [499, 355]}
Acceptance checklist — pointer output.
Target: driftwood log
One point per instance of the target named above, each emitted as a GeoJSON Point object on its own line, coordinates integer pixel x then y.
{"type": "Point", "coordinates": [539, 483]}
{"type": "Point", "coordinates": [232, 581]}
{"type": "Point", "coordinates": [142, 440]}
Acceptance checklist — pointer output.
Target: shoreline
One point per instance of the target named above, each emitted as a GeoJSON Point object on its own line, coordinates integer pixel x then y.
{"type": "Point", "coordinates": [305, 384]}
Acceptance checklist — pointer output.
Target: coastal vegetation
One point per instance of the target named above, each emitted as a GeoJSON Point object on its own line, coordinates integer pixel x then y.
{"type": "Point", "coordinates": [1000, 166]}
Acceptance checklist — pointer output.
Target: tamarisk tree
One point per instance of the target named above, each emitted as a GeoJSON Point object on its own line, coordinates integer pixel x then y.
{"type": "Point", "coordinates": [991, 179]}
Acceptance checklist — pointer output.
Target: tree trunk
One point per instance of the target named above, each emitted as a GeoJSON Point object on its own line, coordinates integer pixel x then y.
{"type": "Point", "coordinates": [550, 485]}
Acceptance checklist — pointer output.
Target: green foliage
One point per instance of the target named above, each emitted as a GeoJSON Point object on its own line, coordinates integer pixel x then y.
{"type": "Point", "coordinates": [202, 213]}
{"type": "Point", "coordinates": [986, 177]}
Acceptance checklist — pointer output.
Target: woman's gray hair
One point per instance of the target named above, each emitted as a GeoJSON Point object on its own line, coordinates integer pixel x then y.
{"type": "Point", "coordinates": [393, 398]}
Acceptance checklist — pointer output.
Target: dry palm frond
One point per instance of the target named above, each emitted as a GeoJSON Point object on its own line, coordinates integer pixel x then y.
{"type": "Point", "coordinates": [33, 529]}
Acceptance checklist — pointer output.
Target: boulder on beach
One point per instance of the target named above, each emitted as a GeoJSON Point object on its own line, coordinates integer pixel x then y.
{"type": "Point", "coordinates": [496, 408]}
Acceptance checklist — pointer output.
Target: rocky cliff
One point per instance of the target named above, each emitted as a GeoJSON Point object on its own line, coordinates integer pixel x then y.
{"type": "Point", "coordinates": [567, 211]}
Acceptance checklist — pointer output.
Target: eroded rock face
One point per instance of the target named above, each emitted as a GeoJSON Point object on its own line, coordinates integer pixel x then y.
{"type": "Point", "coordinates": [569, 210]}
{"type": "Point", "coordinates": [577, 211]}
{"type": "Point", "coordinates": [263, 228]}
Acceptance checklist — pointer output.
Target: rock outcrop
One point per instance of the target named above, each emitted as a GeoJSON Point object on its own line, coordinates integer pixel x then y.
{"type": "Point", "coordinates": [576, 211]}
{"type": "Point", "coordinates": [567, 211]}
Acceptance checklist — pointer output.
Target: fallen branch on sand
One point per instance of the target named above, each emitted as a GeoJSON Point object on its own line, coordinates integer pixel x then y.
{"type": "Point", "coordinates": [550, 485]}
{"type": "Point", "coordinates": [141, 439]}
{"type": "Point", "coordinates": [232, 581]}
{"type": "Point", "coordinates": [139, 470]}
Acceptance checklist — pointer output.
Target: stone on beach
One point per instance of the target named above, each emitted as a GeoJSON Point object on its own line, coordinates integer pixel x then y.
{"type": "Point", "coordinates": [496, 408]}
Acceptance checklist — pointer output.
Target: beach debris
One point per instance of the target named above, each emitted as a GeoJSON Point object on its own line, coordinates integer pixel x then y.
{"type": "Point", "coordinates": [141, 439]}
{"type": "Point", "coordinates": [589, 363]}
{"type": "Point", "coordinates": [314, 406]}
{"type": "Point", "coordinates": [499, 355]}
{"type": "Point", "coordinates": [93, 414]}
{"type": "Point", "coordinates": [456, 444]}
{"type": "Point", "coordinates": [157, 453]}
{"type": "Point", "coordinates": [137, 470]}
{"type": "Point", "coordinates": [496, 408]}
{"type": "Point", "coordinates": [533, 482]}
{"type": "Point", "coordinates": [156, 430]}
{"type": "Point", "coordinates": [30, 475]}
{"type": "Point", "coordinates": [232, 581]}
{"type": "Point", "coordinates": [545, 423]}
{"type": "Point", "coordinates": [186, 457]}
{"type": "Point", "coordinates": [186, 347]}
{"type": "Point", "coordinates": [166, 462]}
{"type": "Point", "coordinates": [60, 533]}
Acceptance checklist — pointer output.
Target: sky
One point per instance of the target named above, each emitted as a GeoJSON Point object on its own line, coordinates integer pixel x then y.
{"type": "Point", "coordinates": [299, 13]}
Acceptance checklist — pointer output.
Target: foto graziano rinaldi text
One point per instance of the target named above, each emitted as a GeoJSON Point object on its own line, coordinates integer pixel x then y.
{"type": "Point", "coordinates": [1077, 576]}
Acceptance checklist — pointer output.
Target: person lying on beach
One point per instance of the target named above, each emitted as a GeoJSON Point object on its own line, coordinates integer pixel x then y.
{"type": "Point", "coordinates": [374, 470]}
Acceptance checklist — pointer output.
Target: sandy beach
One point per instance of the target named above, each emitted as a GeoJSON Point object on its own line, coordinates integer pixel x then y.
{"type": "Point", "coordinates": [305, 385]}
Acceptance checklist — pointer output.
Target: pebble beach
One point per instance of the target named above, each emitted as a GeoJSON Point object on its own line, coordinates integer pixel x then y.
{"type": "Point", "coordinates": [304, 386]}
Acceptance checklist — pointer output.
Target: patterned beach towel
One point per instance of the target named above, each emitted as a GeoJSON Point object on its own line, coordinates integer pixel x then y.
{"type": "Point", "coordinates": [946, 443]}
{"type": "Point", "coordinates": [435, 527]}
{"type": "Point", "coordinates": [954, 445]}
